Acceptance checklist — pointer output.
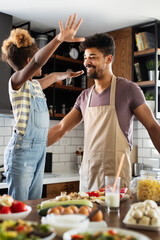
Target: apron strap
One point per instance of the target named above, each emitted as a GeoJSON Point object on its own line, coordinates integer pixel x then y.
{"type": "Point", "coordinates": [113, 91]}
{"type": "Point", "coordinates": [89, 96]}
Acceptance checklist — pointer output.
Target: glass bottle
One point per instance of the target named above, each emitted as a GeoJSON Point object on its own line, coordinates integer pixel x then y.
{"type": "Point", "coordinates": [51, 111]}
{"type": "Point", "coordinates": [63, 110]}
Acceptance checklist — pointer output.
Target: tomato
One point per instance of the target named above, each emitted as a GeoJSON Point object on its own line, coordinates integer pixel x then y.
{"type": "Point", "coordinates": [102, 189]}
{"type": "Point", "coordinates": [112, 232]}
{"type": "Point", "coordinates": [5, 210]}
{"type": "Point", "coordinates": [18, 206]}
{"type": "Point", "coordinates": [77, 236]}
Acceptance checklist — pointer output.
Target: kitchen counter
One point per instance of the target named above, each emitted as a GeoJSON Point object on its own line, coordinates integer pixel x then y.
{"type": "Point", "coordinates": [50, 178]}
{"type": "Point", "coordinates": [112, 219]}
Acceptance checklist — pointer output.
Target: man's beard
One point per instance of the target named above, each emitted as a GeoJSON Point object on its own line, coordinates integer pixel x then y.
{"type": "Point", "coordinates": [93, 75]}
{"type": "Point", "coordinates": [96, 74]}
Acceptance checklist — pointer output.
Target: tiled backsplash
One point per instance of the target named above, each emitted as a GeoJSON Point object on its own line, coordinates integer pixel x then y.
{"type": "Point", "coordinates": [147, 153]}
{"type": "Point", "coordinates": [64, 156]}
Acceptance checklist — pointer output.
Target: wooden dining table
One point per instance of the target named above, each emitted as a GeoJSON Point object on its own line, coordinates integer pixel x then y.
{"type": "Point", "coordinates": [112, 219]}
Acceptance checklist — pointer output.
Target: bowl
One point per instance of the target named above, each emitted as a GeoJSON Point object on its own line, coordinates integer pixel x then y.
{"type": "Point", "coordinates": [63, 223]}
{"type": "Point", "coordinates": [16, 216]}
{"type": "Point", "coordinates": [139, 236]}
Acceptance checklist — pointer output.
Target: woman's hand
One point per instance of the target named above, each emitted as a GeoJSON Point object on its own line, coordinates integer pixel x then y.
{"type": "Point", "coordinates": [67, 34]}
{"type": "Point", "coordinates": [57, 76]}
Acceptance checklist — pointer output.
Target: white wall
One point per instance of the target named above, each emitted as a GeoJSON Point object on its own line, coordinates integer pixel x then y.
{"type": "Point", "coordinates": [147, 154]}
{"type": "Point", "coordinates": [64, 150]}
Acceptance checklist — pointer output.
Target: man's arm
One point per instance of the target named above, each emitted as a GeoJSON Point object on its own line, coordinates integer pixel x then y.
{"type": "Point", "coordinates": [145, 116]}
{"type": "Point", "coordinates": [72, 119]}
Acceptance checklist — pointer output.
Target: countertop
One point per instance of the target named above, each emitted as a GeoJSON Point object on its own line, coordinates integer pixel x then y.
{"type": "Point", "coordinates": [50, 178]}
{"type": "Point", "coordinates": [112, 219]}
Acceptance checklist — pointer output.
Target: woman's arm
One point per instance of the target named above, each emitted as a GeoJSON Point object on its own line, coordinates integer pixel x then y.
{"type": "Point", "coordinates": [56, 77]}
{"type": "Point", "coordinates": [40, 58]}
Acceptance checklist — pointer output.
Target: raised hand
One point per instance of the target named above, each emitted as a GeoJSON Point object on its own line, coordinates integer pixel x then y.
{"type": "Point", "coordinates": [67, 34]}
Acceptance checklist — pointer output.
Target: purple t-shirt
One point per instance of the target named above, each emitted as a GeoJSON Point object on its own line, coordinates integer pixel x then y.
{"type": "Point", "coordinates": [129, 96]}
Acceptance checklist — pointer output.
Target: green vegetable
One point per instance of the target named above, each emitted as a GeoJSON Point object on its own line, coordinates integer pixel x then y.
{"type": "Point", "coordinates": [45, 205]}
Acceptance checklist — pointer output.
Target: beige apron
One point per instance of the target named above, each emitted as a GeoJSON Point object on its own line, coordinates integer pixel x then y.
{"type": "Point", "coordinates": [104, 144]}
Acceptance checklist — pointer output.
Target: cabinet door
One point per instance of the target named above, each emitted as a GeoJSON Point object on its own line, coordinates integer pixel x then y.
{"type": "Point", "coordinates": [55, 189]}
{"type": "Point", "coordinates": [5, 69]}
{"type": "Point", "coordinates": [122, 65]}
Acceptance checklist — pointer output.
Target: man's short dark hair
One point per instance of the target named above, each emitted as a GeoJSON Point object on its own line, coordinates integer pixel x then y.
{"type": "Point", "coordinates": [103, 42]}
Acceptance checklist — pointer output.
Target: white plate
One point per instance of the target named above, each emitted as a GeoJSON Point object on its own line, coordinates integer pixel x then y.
{"type": "Point", "coordinates": [16, 216]}
{"type": "Point", "coordinates": [139, 236]}
{"type": "Point", "coordinates": [139, 226]}
{"type": "Point", "coordinates": [50, 237]}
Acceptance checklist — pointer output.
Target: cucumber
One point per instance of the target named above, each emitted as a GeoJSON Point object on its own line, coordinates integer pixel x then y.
{"type": "Point", "coordinates": [45, 205]}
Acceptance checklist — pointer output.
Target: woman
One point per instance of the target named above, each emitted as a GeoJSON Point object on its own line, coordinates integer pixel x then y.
{"type": "Point", "coordinates": [24, 156]}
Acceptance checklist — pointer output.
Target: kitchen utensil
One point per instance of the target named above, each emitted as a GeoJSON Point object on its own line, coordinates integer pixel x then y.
{"type": "Point", "coordinates": [93, 213]}
{"type": "Point", "coordinates": [137, 167]}
{"type": "Point", "coordinates": [118, 172]}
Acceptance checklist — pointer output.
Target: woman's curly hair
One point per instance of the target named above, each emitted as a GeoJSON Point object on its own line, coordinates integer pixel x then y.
{"type": "Point", "coordinates": [103, 42]}
{"type": "Point", "coordinates": [18, 47]}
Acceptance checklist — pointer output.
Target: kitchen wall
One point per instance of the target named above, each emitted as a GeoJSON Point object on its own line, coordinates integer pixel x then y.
{"type": "Point", "coordinates": [147, 154]}
{"type": "Point", "coordinates": [64, 150]}
{"type": "Point", "coordinates": [63, 156]}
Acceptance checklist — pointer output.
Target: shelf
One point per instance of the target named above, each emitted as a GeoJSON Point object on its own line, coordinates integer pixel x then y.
{"type": "Point", "coordinates": [59, 115]}
{"type": "Point", "coordinates": [71, 88]}
{"type": "Point", "coordinates": [67, 59]}
{"type": "Point", "coordinates": [146, 83]}
{"type": "Point", "coordinates": [147, 51]}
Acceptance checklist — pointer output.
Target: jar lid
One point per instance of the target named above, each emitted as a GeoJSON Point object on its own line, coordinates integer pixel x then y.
{"type": "Point", "coordinates": [155, 173]}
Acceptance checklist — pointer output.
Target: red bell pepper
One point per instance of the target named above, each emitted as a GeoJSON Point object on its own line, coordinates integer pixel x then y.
{"type": "Point", "coordinates": [93, 194]}
{"type": "Point", "coordinates": [123, 190]}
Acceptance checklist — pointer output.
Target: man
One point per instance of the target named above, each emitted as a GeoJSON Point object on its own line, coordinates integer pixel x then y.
{"type": "Point", "coordinates": [107, 109]}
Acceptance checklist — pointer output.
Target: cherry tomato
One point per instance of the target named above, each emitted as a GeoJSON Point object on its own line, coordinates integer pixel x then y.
{"type": "Point", "coordinates": [18, 206]}
{"type": "Point", "coordinates": [112, 232]}
{"type": "Point", "coordinates": [102, 189]}
{"type": "Point", "coordinates": [5, 210]}
{"type": "Point", "coordinates": [77, 236]}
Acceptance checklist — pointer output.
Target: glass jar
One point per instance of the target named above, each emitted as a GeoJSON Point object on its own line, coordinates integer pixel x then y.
{"type": "Point", "coordinates": [63, 109]}
{"type": "Point", "coordinates": [51, 110]}
{"type": "Point", "coordinates": [147, 186]}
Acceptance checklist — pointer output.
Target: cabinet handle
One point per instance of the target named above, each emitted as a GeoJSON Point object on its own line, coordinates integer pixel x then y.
{"type": "Point", "coordinates": [71, 187]}
{"type": "Point", "coordinates": [66, 187]}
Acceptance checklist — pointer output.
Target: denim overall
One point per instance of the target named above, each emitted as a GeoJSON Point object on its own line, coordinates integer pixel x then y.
{"type": "Point", "coordinates": [24, 157]}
